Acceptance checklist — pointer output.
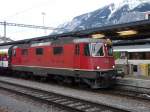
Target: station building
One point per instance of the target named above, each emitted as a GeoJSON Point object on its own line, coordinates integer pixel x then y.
{"type": "Point", "coordinates": [133, 60]}
{"type": "Point", "coordinates": [147, 15]}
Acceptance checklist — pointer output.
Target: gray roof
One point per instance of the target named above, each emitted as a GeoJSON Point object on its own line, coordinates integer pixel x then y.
{"type": "Point", "coordinates": [133, 48]}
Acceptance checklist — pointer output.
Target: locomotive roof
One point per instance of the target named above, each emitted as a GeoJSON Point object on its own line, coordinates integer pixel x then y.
{"type": "Point", "coordinates": [60, 42]}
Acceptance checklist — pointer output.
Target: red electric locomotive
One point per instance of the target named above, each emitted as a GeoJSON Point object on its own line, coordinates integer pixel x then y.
{"type": "Point", "coordinates": [85, 60]}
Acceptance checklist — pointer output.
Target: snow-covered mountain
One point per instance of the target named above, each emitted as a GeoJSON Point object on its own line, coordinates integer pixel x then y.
{"type": "Point", "coordinates": [115, 13]}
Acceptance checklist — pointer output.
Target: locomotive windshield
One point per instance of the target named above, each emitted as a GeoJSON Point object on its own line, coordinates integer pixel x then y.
{"type": "Point", "coordinates": [93, 49]}
{"type": "Point", "coordinates": [97, 49]}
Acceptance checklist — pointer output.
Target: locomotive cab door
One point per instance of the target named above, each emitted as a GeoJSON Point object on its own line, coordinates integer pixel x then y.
{"type": "Point", "coordinates": [77, 57]}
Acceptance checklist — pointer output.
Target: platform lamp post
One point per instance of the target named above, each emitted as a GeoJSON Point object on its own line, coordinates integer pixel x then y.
{"type": "Point", "coordinates": [43, 15]}
{"type": "Point", "coordinates": [5, 29]}
{"type": "Point", "coordinates": [4, 36]}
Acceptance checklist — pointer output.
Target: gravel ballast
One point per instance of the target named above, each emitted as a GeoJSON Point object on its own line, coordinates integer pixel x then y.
{"type": "Point", "coordinates": [116, 101]}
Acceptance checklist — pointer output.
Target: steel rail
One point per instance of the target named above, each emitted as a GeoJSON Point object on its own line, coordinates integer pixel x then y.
{"type": "Point", "coordinates": [133, 91]}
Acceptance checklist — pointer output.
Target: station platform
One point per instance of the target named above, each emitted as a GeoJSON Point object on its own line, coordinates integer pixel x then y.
{"type": "Point", "coordinates": [134, 81]}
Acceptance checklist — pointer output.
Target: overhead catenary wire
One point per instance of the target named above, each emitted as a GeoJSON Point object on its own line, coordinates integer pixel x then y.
{"type": "Point", "coordinates": [28, 26]}
{"type": "Point", "coordinates": [40, 4]}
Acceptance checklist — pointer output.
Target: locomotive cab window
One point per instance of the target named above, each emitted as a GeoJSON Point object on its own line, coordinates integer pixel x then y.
{"type": "Point", "coordinates": [24, 52]}
{"type": "Point", "coordinates": [57, 50]}
{"type": "Point", "coordinates": [87, 49]}
{"type": "Point", "coordinates": [77, 49]}
{"type": "Point", "coordinates": [109, 50]}
{"type": "Point", "coordinates": [97, 49]}
{"type": "Point", "coordinates": [39, 51]}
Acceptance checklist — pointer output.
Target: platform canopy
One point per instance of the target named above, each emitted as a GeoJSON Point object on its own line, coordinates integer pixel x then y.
{"type": "Point", "coordinates": [132, 42]}
{"type": "Point", "coordinates": [127, 31]}
{"type": "Point", "coordinates": [132, 48]}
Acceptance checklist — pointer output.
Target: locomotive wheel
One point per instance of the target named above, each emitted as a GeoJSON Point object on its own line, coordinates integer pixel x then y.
{"type": "Point", "coordinates": [59, 79]}
{"type": "Point", "coordinates": [102, 82]}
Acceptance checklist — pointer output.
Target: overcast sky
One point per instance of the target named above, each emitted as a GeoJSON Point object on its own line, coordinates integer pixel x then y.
{"type": "Point", "coordinates": [30, 12]}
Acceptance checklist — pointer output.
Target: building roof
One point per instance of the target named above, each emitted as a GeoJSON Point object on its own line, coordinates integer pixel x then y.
{"type": "Point", "coordinates": [132, 48]}
{"type": "Point", "coordinates": [142, 29]}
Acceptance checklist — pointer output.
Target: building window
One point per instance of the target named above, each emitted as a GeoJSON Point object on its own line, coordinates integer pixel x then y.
{"type": "Point", "coordinates": [135, 68]}
{"type": "Point", "coordinates": [57, 50]}
{"type": "Point", "coordinates": [147, 55]}
{"type": "Point", "coordinates": [24, 52]}
{"type": "Point", "coordinates": [77, 49]}
{"type": "Point", "coordinates": [39, 51]}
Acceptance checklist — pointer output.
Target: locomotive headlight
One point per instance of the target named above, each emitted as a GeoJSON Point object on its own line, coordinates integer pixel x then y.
{"type": "Point", "coordinates": [113, 66]}
{"type": "Point", "coordinates": [98, 67]}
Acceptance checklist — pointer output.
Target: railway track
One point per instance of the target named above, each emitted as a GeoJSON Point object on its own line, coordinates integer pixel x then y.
{"type": "Point", "coordinates": [127, 93]}
{"type": "Point", "coordinates": [64, 102]}
{"type": "Point", "coordinates": [120, 90]}
{"type": "Point", "coordinates": [132, 91]}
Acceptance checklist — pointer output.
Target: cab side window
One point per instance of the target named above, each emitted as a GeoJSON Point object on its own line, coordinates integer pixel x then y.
{"type": "Point", "coordinates": [58, 50]}
{"type": "Point", "coordinates": [77, 49]}
{"type": "Point", "coordinates": [86, 50]}
{"type": "Point", "coordinates": [24, 52]}
{"type": "Point", "coordinates": [39, 51]}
